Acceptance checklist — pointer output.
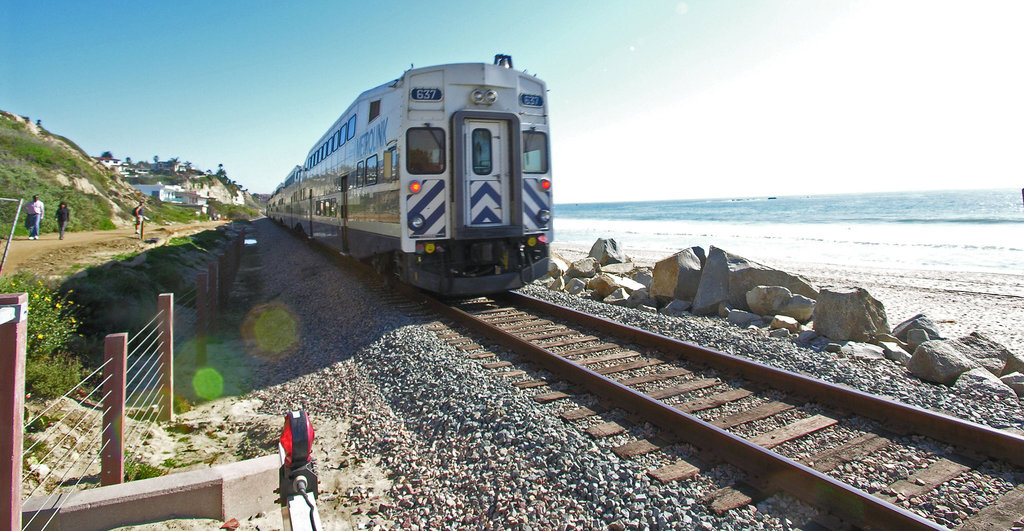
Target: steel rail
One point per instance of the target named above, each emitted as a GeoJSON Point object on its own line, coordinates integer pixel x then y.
{"type": "Point", "coordinates": [851, 504]}
{"type": "Point", "coordinates": [901, 417]}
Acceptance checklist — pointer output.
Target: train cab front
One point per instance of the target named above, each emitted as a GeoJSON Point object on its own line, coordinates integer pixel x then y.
{"type": "Point", "coordinates": [476, 267]}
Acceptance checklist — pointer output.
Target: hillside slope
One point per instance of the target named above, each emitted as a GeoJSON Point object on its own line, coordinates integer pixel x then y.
{"type": "Point", "coordinates": [34, 161]}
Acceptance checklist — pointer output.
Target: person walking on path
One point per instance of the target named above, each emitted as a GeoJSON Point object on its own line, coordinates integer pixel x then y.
{"type": "Point", "coordinates": [63, 216]}
{"type": "Point", "coordinates": [33, 214]}
{"type": "Point", "coordinates": [137, 212]}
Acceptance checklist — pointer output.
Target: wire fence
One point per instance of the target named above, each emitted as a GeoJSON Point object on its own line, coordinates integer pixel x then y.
{"type": "Point", "coordinates": [86, 437]}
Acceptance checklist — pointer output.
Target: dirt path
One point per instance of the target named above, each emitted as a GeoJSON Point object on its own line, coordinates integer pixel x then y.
{"type": "Point", "coordinates": [50, 257]}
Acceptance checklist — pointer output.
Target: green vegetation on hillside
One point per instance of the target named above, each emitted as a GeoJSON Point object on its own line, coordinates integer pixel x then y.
{"type": "Point", "coordinates": [30, 164]}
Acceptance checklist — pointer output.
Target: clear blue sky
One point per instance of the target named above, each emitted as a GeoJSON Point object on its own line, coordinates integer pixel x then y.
{"type": "Point", "coordinates": [648, 100]}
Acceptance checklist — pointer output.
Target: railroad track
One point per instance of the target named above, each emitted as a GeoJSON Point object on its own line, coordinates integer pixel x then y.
{"type": "Point", "coordinates": [686, 409]}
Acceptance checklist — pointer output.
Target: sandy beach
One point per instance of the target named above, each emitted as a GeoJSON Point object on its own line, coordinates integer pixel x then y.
{"type": "Point", "coordinates": [960, 302]}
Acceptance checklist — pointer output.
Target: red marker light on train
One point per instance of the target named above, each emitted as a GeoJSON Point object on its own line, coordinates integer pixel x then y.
{"type": "Point", "coordinates": [415, 187]}
{"type": "Point", "coordinates": [297, 438]}
{"type": "Point", "coordinates": [545, 184]}
{"type": "Point", "coordinates": [543, 238]}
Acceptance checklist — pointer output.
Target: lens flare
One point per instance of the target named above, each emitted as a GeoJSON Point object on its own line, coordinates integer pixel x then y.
{"type": "Point", "coordinates": [208, 383]}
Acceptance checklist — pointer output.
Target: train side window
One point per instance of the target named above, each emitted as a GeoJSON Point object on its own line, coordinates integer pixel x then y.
{"type": "Point", "coordinates": [351, 128]}
{"type": "Point", "coordinates": [535, 152]}
{"type": "Point", "coordinates": [374, 110]}
{"type": "Point", "coordinates": [360, 170]}
{"type": "Point", "coordinates": [331, 144]}
{"type": "Point", "coordinates": [371, 170]}
{"type": "Point", "coordinates": [481, 151]}
{"type": "Point", "coordinates": [388, 172]}
{"type": "Point", "coordinates": [337, 139]}
{"type": "Point", "coordinates": [394, 164]}
{"type": "Point", "coordinates": [426, 150]}
{"type": "Point", "coordinates": [343, 132]}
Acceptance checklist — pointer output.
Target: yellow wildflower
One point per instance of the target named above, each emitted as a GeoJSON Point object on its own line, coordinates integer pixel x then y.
{"type": "Point", "coordinates": [40, 336]}
{"type": "Point", "coordinates": [58, 306]}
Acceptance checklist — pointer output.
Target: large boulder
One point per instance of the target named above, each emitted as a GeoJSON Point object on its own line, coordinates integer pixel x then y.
{"type": "Point", "coordinates": [617, 297]}
{"type": "Point", "coordinates": [893, 351]}
{"type": "Point", "coordinates": [849, 315]}
{"type": "Point", "coordinates": [784, 321]}
{"type": "Point", "coordinates": [1014, 362]}
{"type": "Point", "coordinates": [727, 278]}
{"type": "Point", "coordinates": [864, 351]}
{"type": "Point", "coordinates": [641, 297]}
{"type": "Point", "coordinates": [767, 300]}
{"type": "Point", "coordinates": [576, 286]}
{"type": "Point", "coordinates": [799, 307]}
{"type": "Point", "coordinates": [778, 300]}
{"type": "Point", "coordinates": [604, 284]}
{"type": "Point", "coordinates": [557, 266]}
{"type": "Point", "coordinates": [917, 322]}
{"type": "Point", "coordinates": [677, 277]}
{"type": "Point", "coordinates": [937, 361]}
{"type": "Point", "coordinates": [1016, 382]}
{"type": "Point", "coordinates": [607, 251]}
{"type": "Point", "coordinates": [981, 381]}
{"type": "Point", "coordinates": [742, 318]}
{"type": "Point", "coordinates": [987, 353]}
{"type": "Point", "coordinates": [582, 268]}
{"type": "Point", "coordinates": [643, 276]}
{"type": "Point", "coordinates": [623, 268]}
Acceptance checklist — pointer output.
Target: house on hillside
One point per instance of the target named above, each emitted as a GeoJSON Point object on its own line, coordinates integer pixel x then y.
{"type": "Point", "coordinates": [114, 164]}
{"type": "Point", "coordinates": [172, 193]}
{"type": "Point", "coordinates": [172, 166]}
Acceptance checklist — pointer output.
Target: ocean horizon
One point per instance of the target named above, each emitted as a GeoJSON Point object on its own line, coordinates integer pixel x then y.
{"type": "Point", "coordinates": [955, 230]}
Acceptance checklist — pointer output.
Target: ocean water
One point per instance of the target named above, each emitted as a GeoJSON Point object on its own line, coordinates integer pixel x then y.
{"type": "Point", "coordinates": [961, 230]}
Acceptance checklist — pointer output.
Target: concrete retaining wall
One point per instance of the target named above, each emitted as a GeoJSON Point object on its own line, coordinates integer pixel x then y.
{"type": "Point", "coordinates": [236, 490]}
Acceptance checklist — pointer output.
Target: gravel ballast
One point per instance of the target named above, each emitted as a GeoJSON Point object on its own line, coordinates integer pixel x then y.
{"type": "Point", "coordinates": [464, 449]}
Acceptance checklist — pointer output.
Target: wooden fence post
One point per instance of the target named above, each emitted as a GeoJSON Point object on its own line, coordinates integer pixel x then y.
{"type": "Point", "coordinates": [166, 304]}
{"type": "Point", "coordinates": [202, 316]}
{"type": "Point", "coordinates": [13, 339]}
{"type": "Point", "coordinates": [115, 357]}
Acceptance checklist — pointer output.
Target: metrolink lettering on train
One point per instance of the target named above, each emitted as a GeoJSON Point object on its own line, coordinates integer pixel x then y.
{"type": "Point", "coordinates": [371, 140]}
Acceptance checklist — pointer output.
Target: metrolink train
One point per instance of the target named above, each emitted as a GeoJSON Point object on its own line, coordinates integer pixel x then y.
{"type": "Point", "coordinates": [440, 178]}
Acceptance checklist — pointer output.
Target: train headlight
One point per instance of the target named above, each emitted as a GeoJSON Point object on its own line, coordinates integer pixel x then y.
{"type": "Point", "coordinates": [416, 222]}
{"type": "Point", "coordinates": [483, 97]}
{"type": "Point", "coordinates": [544, 216]}
{"type": "Point", "coordinates": [545, 184]}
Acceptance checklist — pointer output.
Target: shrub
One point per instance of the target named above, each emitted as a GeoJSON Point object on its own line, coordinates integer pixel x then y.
{"type": "Point", "coordinates": [52, 366]}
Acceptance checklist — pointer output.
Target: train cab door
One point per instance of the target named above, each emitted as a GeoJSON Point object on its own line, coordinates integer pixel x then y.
{"type": "Point", "coordinates": [344, 214]}
{"type": "Point", "coordinates": [486, 173]}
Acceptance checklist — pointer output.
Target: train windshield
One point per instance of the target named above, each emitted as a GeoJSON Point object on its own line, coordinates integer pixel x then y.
{"type": "Point", "coordinates": [535, 152]}
{"type": "Point", "coordinates": [426, 150]}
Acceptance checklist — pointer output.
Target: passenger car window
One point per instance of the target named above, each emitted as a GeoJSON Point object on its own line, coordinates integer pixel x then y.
{"type": "Point", "coordinates": [371, 170]}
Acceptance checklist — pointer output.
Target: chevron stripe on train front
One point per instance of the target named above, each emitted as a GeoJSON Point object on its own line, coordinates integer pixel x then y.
{"type": "Point", "coordinates": [534, 200]}
{"type": "Point", "coordinates": [429, 203]}
{"type": "Point", "coordinates": [484, 204]}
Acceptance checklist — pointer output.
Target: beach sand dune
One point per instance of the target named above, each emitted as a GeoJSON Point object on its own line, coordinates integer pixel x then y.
{"type": "Point", "coordinates": [960, 302]}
